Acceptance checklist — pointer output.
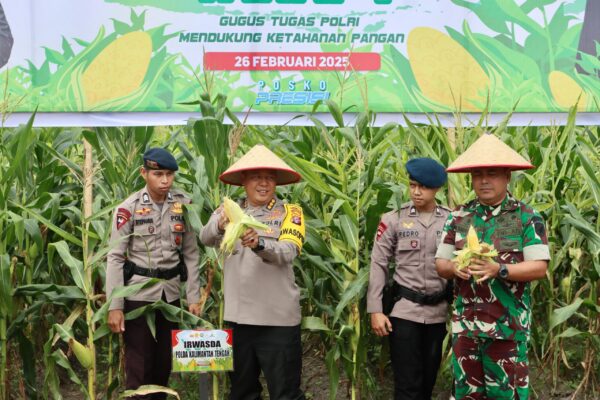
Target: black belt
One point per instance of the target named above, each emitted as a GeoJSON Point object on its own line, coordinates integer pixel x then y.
{"type": "Point", "coordinates": [397, 292]}
{"type": "Point", "coordinates": [402, 292]}
{"type": "Point", "coordinates": [130, 269]}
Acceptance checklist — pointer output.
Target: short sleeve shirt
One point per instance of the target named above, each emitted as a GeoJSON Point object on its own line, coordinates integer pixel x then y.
{"type": "Point", "coordinates": [496, 308]}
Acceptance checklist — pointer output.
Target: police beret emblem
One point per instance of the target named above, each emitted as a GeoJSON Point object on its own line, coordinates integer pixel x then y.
{"type": "Point", "coordinates": [152, 164]}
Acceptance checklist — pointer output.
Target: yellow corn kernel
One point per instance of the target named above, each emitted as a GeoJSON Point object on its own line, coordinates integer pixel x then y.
{"type": "Point", "coordinates": [566, 91]}
{"type": "Point", "coordinates": [445, 71]}
{"type": "Point", "coordinates": [119, 69]}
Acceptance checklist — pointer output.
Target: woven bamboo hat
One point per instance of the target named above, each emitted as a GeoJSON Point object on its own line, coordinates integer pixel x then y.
{"type": "Point", "coordinates": [259, 157]}
{"type": "Point", "coordinates": [489, 152]}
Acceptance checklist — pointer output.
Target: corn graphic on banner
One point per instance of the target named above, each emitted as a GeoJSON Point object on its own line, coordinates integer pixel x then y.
{"type": "Point", "coordinates": [197, 350]}
{"type": "Point", "coordinates": [92, 57]}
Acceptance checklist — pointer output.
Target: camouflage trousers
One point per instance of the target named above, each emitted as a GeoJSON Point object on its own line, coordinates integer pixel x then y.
{"type": "Point", "coordinates": [486, 369]}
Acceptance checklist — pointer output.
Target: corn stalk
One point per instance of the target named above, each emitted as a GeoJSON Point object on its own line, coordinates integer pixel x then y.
{"type": "Point", "coordinates": [88, 175]}
{"type": "Point", "coordinates": [53, 240]}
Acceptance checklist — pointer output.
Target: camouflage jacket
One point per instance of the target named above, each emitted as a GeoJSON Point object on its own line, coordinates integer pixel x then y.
{"type": "Point", "coordinates": [497, 308]}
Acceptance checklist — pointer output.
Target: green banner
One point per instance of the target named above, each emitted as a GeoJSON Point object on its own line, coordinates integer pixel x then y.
{"type": "Point", "coordinates": [287, 55]}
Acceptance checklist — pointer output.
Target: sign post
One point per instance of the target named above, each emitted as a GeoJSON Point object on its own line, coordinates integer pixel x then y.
{"type": "Point", "coordinates": [203, 351]}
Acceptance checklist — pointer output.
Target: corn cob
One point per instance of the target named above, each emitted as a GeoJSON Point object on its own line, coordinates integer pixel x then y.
{"type": "Point", "coordinates": [83, 354]}
{"type": "Point", "coordinates": [238, 223]}
{"type": "Point", "coordinates": [473, 249]}
{"type": "Point", "coordinates": [119, 69]}
{"type": "Point", "coordinates": [566, 91]}
{"type": "Point", "coordinates": [445, 72]}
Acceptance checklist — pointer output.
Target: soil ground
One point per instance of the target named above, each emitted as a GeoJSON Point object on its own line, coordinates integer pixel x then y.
{"type": "Point", "coordinates": [316, 383]}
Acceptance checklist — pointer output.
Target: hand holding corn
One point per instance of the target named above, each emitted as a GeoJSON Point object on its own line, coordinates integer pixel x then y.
{"type": "Point", "coordinates": [484, 269]}
{"type": "Point", "coordinates": [250, 238]}
{"type": "Point", "coordinates": [241, 225]}
{"type": "Point", "coordinates": [477, 256]}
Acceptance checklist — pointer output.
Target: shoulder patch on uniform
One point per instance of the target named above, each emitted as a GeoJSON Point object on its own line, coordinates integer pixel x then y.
{"type": "Point", "coordinates": [381, 228]}
{"type": "Point", "coordinates": [123, 215]}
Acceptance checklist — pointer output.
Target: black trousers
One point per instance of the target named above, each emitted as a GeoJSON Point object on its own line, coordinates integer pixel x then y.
{"type": "Point", "coordinates": [416, 352]}
{"type": "Point", "coordinates": [277, 351]}
{"type": "Point", "coordinates": [147, 360]}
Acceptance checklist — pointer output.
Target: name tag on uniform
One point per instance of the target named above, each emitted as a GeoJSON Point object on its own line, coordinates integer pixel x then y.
{"type": "Point", "coordinates": [197, 350]}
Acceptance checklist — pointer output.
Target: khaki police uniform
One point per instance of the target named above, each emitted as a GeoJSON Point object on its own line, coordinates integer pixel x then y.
{"type": "Point", "coordinates": [151, 237]}
{"type": "Point", "coordinates": [260, 288]}
{"type": "Point", "coordinates": [262, 302]}
{"type": "Point", "coordinates": [418, 330]}
{"type": "Point", "coordinates": [411, 243]}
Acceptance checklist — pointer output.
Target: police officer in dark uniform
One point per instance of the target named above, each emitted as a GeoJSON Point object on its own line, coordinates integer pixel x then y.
{"type": "Point", "coordinates": [150, 238]}
{"type": "Point", "coordinates": [416, 325]}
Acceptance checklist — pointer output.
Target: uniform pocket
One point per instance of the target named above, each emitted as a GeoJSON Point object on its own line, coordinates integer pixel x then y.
{"type": "Point", "coordinates": [144, 238]}
{"type": "Point", "coordinates": [510, 251]}
{"type": "Point", "coordinates": [408, 252]}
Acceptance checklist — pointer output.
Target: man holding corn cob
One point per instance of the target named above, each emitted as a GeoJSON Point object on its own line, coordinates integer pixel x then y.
{"type": "Point", "coordinates": [418, 309]}
{"type": "Point", "coordinates": [262, 301]}
{"type": "Point", "coordinates": [151, 240]}
{"type": "Point", "coordinates": [500, 246]}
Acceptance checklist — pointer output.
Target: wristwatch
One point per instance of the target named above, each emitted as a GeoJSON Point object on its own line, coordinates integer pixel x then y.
{"type": "Point", "coordinates": [503, 271]}
{"type": "Point", "coordinates": [260, 246]}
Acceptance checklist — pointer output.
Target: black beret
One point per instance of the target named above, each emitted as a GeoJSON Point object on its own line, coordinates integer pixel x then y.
{"type": "Point", "coordinates": [427, 172]}
{"type": "Point", "coordinates": [157, 158]}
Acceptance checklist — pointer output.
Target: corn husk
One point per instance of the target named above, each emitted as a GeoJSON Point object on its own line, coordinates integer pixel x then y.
{"type": "Point", "coordinates": [473, 249]}
{"type": "Point", "coordinates": [239, 222]}
{"type": "Point", "coordinates": [82, 353]}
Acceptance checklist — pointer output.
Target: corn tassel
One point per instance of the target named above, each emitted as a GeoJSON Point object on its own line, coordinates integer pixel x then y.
{"type": "Point", "coordinates": [238, 223]}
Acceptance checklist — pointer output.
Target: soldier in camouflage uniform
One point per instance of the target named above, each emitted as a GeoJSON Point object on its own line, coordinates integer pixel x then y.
{"type": "Point", "coordinates": [492, 306]}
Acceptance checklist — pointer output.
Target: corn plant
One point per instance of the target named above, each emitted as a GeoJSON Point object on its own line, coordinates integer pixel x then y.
{"type": "Point", "coordinates": [54, 237]}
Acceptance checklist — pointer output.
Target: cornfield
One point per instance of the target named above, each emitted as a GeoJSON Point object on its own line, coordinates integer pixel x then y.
{"type": "Point", "coordinates": [58, 188]}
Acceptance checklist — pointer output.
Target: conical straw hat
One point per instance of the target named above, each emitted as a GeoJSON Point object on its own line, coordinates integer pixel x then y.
{"type": "Point", "coordinates": [259, 157]}
{"type": "Point", "coordinates": [488, 152]}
